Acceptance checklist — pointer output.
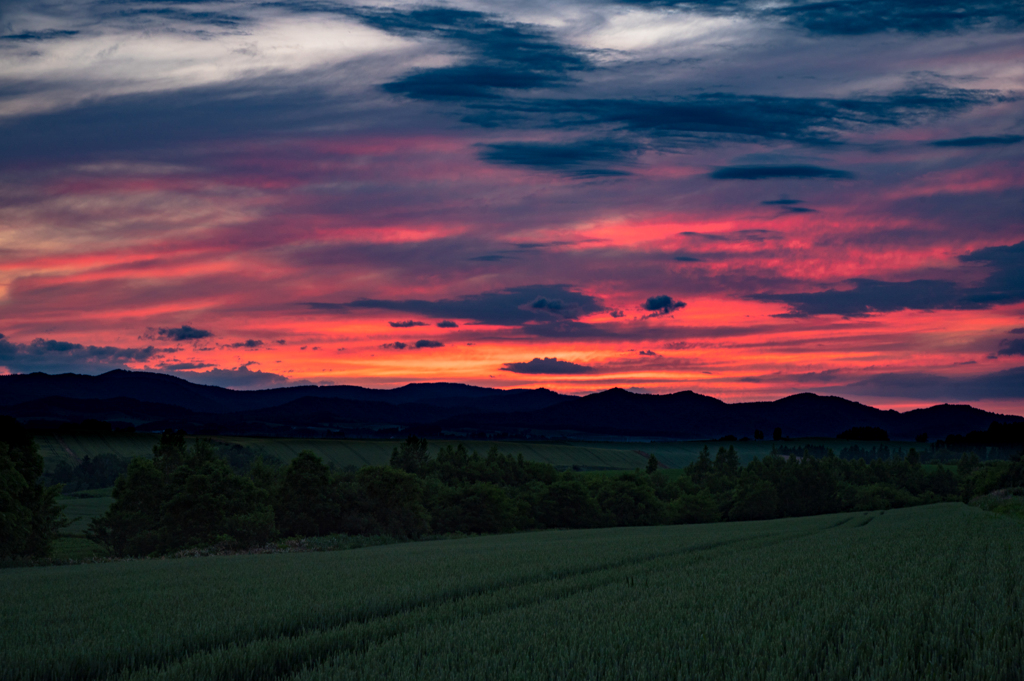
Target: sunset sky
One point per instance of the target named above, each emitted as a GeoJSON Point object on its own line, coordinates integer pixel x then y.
{"type": "Point", "coordinates": [744, 199]}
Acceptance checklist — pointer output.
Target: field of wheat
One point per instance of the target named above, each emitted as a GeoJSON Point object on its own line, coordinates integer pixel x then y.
{"type": "Point", "coordinates": [929, 592]}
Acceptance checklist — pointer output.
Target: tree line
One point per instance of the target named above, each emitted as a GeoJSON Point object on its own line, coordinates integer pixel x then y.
{"type": "Point", "coordinates": [188, 495]}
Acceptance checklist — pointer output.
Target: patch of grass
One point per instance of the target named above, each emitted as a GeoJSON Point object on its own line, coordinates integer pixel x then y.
{"type": "Point", "coordinates": [1006, 504]}
{"type": "Point", "coordinates": [76, 549]}
{"type": "Point", "coordinates": [925, 592]}
{"type": "Point", "coordinates": [81, 510]}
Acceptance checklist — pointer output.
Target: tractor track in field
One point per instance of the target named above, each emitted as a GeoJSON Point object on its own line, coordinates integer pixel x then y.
{"type": "Point", "coordinates": [287, 648]}
{"type": "Point", "coordinates": [303, 644]}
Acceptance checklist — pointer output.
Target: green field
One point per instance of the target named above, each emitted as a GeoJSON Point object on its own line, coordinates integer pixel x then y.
{"type": "Point", "coordinates": [931, 592]}
{"type": "Point", "coordinates": [80, 511]}
{"type": "Point", "coordinates": [343, 453]}
{"type": "Point", "coordinates": [73, 448]}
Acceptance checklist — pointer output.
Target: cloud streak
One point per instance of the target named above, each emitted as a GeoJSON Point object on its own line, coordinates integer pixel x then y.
{"type": "Point", "coordinates": [548, 366]}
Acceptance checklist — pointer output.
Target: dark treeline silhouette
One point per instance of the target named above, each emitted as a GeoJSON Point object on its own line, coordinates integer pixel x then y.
{"type": "Point", "coordinates": [188, 495]}
{"type": "Point", "coordinates": [997, 435]}
{"type": "Point", "coordinates": [95, 472]}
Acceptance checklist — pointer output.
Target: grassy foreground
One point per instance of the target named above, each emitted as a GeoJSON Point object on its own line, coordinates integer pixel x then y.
{"type": "Point", "coordinates": [931, 592]}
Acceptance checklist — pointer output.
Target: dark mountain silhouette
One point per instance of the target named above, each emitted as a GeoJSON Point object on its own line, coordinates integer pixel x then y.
{"type": "Point", "coordinates": [171, 390]}
{"type": "Point", "coordinates": [156, 401]}
{"type": "Point", "coordinates": [688, 415]}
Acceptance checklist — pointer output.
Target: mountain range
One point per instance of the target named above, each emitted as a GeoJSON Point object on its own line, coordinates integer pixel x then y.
{"type": "Point", "coordinates": [152, 401]}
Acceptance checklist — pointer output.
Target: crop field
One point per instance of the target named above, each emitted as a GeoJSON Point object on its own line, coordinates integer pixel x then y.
{"type": "Point", "coordinates": [342, 453]}
{"type": "Point", "coordinates": [82, 510]}
{"type": "Point", "coordinates": [73, 448]}
{"type": "Point", "coordinates": [930, 592]}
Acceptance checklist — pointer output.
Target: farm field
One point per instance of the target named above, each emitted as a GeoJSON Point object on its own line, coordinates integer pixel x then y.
{"type": "Point", "coordinates": [926, 592]}
{"type": "Point", "coordinates": [72, 448]}
{"type": "Point", "coordinates": [599, 455]}
{"type": "Point", "coordinates": [81, 510]}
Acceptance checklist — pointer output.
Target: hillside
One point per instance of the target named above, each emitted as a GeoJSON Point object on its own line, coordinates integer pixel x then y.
{"type": "Point", "coordinates": [154, 402]}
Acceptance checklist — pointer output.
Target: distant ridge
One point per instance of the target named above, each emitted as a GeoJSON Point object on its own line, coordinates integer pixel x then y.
{"type": "Point", "coordinates": [151, 401]}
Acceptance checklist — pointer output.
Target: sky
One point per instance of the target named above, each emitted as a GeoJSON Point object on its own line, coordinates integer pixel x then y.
{"type": "Point", "coordinates": [747, 199]}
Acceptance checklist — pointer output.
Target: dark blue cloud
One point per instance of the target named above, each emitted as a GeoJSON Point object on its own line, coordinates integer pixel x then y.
{"type": "Point", "coordinates": [580, 158]}
{"type": "Point", "coordinates": [55, 356]}
{"type": "Point", "coordinates": [241, 378]}
{"type": "Point", "coordinates": [38, 35]}
{"type": "Point", "coordinates": [250, 344]}
{"type": "Point", "coordinates": [1012, 346]}
{"type": "Point", "coordinates": [1008, 384]}
{"type": "Point", "coordinates": [418, 345]}
{"type": "Point", "coordinates": [469, 82]}
{"type": "Point", "coordinates": [447, 324]}
{"type": "Point", "coordinates": [998, 140]}
{"type": "Point", "coordinates": [502, 56]}
{"type": "Point", "coordinates": [406, 324]}
{"type": "Point", "coordinates": [870, 295]}
{"type": "Point", "coordinates": [776, 172]}
{"type": "Point", "coordinates": [181, 333]}
{"type": "Point", "coordinates": [1004, 285]}
{"type": "Point", "coordinates": [548, 365]}
{"type": "Point", "coordinates": [483, 35]}
{"type": "Point", "coordinates": [661, 305]}
{"type": "Point", "coordinates": [510, 307]}
{"type": "Point", "coordinates": [738, 117]}
{"type": "Point", "coordinates": [859, 17]}
{"type": "Point", "coordinates": [500, 61]}
{"type": "Point", "coordinates": [789, 206]}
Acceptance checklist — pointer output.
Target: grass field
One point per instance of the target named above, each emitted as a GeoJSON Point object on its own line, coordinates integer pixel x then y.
{"type": "Point", "coordinates": [80, 511]}
{"type": "Point", "coordinates": [342, 453]}
{"type": "Point", "coordinates": [930, 592]}
{"type": "Point", "coordinates": [81, 508]}
{"type": "Point", "coordinates": [73, 448]}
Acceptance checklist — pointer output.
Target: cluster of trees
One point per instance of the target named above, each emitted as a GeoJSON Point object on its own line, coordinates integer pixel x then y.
{"type": "Point", "coordinates": [997, 435]}
{"type": "Point", "coordinates": [95, 472]}
{"type": "Point", "coordinates": [867, 433]}
{"type": "Point", "coordinates": [187, 495]}
{"type": "Point", "coordinates": [30, 517]}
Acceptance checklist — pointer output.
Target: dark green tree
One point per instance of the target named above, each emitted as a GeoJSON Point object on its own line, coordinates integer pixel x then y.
{"type": "Point", "coordinates": [727, 462]}
{"type": "Point", "coordinates": [481, 507]}
{"type": "Point", "coordinates": [756, 500]}
{"type": "Point", "coordinates": [307, 503]}
{"type": "Point", "coordinates": [700, 507]}
{"type": "Point", "coordinates": [967, 464]}
{"type": "Point", "coordinates": [185, 496]}
{"type": "Point", "coordinates": [699, 470]}
{"type": "Point", "coordinates": [388, 501]}
{"type": "Point", "coordinates": [652, 464]}
{"type": "Point", "coordinates": [568, 503]}
{"type": "Point", "coordinates": [30, 517]}
{"type": "Point", "coordinates": [630, 500]}
{"type": "Point", "coordinates": [411, 455]}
